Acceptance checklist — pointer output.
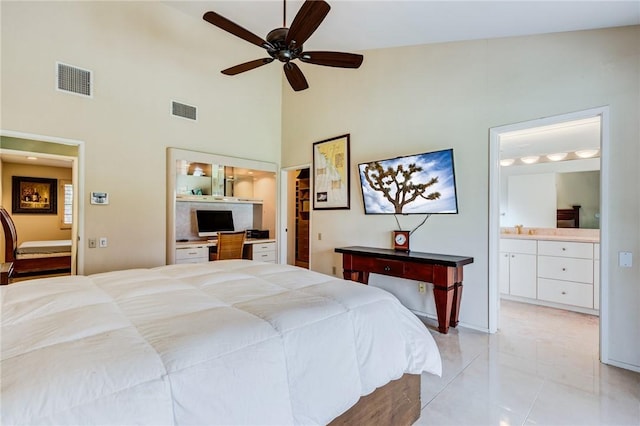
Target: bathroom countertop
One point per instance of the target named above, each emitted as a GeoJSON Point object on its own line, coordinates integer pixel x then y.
{"type": "Point", "coordinates": [543, 237]}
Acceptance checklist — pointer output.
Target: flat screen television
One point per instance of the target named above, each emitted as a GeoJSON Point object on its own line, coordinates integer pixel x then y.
{"type": "Point", "coordinates": [209, 222]}
{"type": "Point", "coordinates": [413, 184]}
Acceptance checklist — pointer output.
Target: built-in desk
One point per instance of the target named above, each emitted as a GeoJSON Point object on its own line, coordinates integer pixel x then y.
{"type": "Point", "coordinates": [198, 251]}
{"type": "Point", "coordinates": [443, 271]}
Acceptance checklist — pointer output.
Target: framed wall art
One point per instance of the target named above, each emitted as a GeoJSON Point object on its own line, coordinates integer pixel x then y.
{"type": "Point", "coordinates": [331, 180]}
{"type": "Point", "coordinates": [34, 195]}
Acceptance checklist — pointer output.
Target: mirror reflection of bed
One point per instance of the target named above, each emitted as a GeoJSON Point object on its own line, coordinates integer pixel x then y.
{"type": "Point", "coordinates": [568, 218]}
{"type": "Point", "coordinates": [33, 258]}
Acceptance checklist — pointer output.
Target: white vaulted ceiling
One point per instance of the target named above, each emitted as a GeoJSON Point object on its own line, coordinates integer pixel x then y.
{"type": "Point", "coordinates": [355, 25]}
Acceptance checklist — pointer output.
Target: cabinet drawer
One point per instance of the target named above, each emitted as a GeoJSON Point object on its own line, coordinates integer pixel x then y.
{"type": "Point", "coordinates": [518, 246]}
{"type": "Point", "coordinates": [565, 249]}
{"type": "Point", "coordinates": [192, 253]}
{"type": "Point", "coordinates": [378, 266]}
{"type": "Point", "coordinates": [567, 269]}
{"type": "Point", "coordinates": [192, 260]}
{"type": "Point", "coordinates": [261, 247]}
{"type": "Point", "coordinates": [564, 292]}
{"type": "Point", "coordinates": [264, 256]}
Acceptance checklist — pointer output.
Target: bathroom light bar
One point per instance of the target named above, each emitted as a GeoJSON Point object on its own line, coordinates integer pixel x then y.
{"type": "Point", "coordinates": [586, 153]}
{"type": "Point", "coordinates": [507, 162]}
{"type": "Point", "coordinates": [530, 159]}
{"type": "Point", "coordinates": [557, 156]}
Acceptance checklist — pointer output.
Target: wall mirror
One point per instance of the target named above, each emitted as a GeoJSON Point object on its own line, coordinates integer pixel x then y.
{"type": "Point", "coordinates": [551, 168]}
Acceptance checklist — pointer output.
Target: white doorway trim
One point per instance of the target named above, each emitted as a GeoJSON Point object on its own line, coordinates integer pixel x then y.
{"type": "Point", "coordinates": [284, 211]}
{"type": "Point", "coordinates": [77, 173]}
{"type": "Point", "coordinates": [494, 213]}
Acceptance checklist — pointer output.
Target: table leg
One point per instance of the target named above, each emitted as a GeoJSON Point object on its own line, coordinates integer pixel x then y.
{"type": "Point", "coordinates": [455, 308]}
{"type": "Point", "coordinates": [443, 297]}
{"type": "Point", "coordinates": [357, 276]}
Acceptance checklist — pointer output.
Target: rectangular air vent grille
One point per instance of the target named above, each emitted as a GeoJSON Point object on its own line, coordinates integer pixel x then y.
{"type": "Point", "coordinates": [74, 80]}
{"type": "Point", "coordinates": [185, 111]}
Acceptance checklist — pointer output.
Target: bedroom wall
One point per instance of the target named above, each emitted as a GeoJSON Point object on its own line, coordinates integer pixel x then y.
{"type": "Point", "coordinates": [142, 55]}
{"type": "Point", "coordinates": [415, 99]}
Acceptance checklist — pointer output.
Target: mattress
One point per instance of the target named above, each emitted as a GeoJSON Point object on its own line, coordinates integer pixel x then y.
{"type": "Point", "coordinates": [225, 342]}
{"type": "Point", "coordinates": [44, 247]}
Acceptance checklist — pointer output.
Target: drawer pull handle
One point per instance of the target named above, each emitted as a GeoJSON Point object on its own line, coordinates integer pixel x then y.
{"type": "Point", "coordinates": [387, 268]}
{"type": "Point", "coordinates": [564, 292]}
{"type": "Point", "coordinates": [564, 269]}
{"type": "Point", "coordinates": [564, 249]}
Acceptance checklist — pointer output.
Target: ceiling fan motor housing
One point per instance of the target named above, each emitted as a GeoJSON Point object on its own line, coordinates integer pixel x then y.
{"type": "Point", "coordinates": [280, 50]}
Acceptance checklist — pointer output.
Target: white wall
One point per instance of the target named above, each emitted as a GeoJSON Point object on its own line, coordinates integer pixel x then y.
{"type": "Point", "coordinates": [414, 99]}
{"type": "Point", "coordinates": [143, 55]}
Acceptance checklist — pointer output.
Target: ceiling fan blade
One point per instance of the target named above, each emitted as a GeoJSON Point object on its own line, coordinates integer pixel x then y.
{"type": "Point", "coordinates": [247, 66]}
{"type": "Point", "coordinates": [235, 29]}
{"type": "Point", "coordinates": [332, 59]}
{"type": "Point", "coordinates": [307, 20]}
{"type": "Point", "coordinates": [295, 77]}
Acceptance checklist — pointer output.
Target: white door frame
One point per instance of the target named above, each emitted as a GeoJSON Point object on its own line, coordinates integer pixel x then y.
{"type": "Point", "coordinates": [77, 180]}
{"type": "Point", "coordinates": [284, 213]}
{"type": "Point", "coordinates": [494, 213]}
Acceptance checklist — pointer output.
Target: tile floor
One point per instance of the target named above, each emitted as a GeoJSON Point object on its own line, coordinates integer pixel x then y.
{"type": "Point", "coordinates": [541, 368]}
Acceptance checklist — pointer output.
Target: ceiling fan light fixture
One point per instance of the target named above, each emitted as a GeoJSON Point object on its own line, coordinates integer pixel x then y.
{"type": "Point", "coordinates": [558, 156]}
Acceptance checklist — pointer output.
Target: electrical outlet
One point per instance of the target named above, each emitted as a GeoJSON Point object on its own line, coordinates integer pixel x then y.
{"type": "Point", "coordinates": [422, 287]}
{"type": "Point", "coordinates": [319, 236]}
{"type": "Point", "coordinates": [333, 270]}
{"type": "Point", "coordinates": [92, 243]}
{"type": "Point", "coordinates": [103, 242]}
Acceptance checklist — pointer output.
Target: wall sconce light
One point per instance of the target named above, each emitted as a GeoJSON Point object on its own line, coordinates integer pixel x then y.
{"type": "Point", "coordinates": [557, 156]}
{"type": "Point", "coordinates": [530, 159]}
{"type": "Point", "coordinates": [507, 162]}
{"type": "Point", "coordinates": [586, 153]}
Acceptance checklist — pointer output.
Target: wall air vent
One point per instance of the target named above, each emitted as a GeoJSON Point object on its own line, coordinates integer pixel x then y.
{"type": "Point", "coordinates": [183, 110]}
{"type": "Point", "coordinates": [74, 80]}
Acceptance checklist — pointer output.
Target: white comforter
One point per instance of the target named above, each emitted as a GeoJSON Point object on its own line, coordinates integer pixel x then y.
{"type": "Point", "coordinates": [226, 342]}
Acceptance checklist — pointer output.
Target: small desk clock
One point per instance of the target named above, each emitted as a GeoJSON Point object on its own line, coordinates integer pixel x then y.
{"type": "Point", "coordinates": [401, 240]}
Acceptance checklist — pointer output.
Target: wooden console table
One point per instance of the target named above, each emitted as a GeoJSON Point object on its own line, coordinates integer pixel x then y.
{"type": "Point", "coordinates": [443, 271]}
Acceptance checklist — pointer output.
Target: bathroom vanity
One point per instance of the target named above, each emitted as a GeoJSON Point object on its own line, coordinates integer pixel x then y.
{"type": "Point", "coordinates": [558, 270]}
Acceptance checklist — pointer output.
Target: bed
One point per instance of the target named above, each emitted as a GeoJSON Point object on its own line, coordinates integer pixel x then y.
{"type": "Point", "coordinates": [224, 342]}
{"type": "Point", "coordinates": [568, 218]}
{"type": "Point", "coordinates": [34, 257]}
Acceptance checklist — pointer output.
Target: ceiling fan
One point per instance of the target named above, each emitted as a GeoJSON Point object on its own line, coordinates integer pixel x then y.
{"type": "Point", "coordinates": [285, 44]}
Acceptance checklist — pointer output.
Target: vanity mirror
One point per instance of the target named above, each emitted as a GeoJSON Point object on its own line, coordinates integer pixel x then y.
{"type": "Point", "coordinates": [549, 169]}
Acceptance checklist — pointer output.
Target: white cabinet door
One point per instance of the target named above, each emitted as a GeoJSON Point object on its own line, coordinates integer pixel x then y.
{"type": "Point", "coordinates": [522, 275]}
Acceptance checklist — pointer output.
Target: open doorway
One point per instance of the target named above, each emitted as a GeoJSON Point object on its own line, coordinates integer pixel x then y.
{"type": "Point", "coordinates": [296, 200]}
{"type": "Point", "coordinates": [57, 158]}
{"type": "Point", "coordinates": [536, 256]}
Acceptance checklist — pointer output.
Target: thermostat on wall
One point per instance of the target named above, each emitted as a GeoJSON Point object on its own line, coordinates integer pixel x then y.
{"type": "Point", "coordinates": [101, 198]}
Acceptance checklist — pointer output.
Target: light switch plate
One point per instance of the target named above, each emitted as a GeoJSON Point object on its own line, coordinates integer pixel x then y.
{"type": "Point", "coordinates": [625, 259]}
{"type": "Point", "coordinates": [102, 242]}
